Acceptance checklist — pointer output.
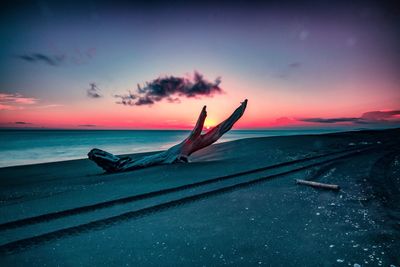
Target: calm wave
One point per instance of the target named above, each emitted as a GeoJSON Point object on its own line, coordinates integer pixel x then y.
{"type": "Point", "coordinates": [20, 147]}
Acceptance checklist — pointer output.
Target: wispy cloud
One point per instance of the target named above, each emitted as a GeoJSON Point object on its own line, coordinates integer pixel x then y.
{"type": "Point", "coordinates": [381, 115]}
{"type": "Point", "coordinates": [170, 88]}
{"type": "Point", "coordinates": [87, 125]}
{"type": "Point", "coordinates": [52, 60]}
{"type": "Point", "coordinates": [16, 98]}
{"type": "Point", "coordinates": [75, 56]}
{"type": "Point", "coordinates": [371, 117]}
{"type": "Point", "coordinates": [294, 65]}
{"type": "Point", "coordinates": [282, 121]}
{"type": "Point", "coordinates": [49, 106]}
{"type": "Point", "coordinates": [93, 91]}
{"type": "Point", "coordinates": [330, 120]}
{"type": "Point", "coordinates": [9, 101]}
{"type": "Point", "coordinates": [79, 56]}
{"type": "Point", "coordinates": [290, 69]}
{"type": "Point", "coordinates": [6, 107]}
{"type": "Point", "coordinates": [22, 123]}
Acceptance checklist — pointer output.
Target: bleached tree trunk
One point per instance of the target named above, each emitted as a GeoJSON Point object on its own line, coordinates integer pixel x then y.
{"type": "Point", "coordinates": [178, 153]}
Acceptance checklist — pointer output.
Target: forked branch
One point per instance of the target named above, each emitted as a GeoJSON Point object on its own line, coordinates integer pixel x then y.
{"type": "Point", "coordinates": [178, 153]}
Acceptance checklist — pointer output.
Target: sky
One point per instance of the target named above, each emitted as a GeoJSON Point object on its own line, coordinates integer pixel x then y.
{"type": "Point", "coordinates": [154, 65]}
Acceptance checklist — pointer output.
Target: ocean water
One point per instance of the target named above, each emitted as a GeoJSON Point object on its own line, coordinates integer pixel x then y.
{"type": "Point", "coordinates": [20, 147]}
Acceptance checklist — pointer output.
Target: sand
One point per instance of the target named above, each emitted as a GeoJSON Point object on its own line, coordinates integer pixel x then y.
{"type": "Point", "coordinates": [81, 216]}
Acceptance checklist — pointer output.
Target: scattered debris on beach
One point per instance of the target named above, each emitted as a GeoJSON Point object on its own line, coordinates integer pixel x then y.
{"type": "Point", "coordinates": [318, 185]}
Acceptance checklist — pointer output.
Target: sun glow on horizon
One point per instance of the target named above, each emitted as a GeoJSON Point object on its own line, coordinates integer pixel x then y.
{"type": "Point", "coordinates": [209, 123]}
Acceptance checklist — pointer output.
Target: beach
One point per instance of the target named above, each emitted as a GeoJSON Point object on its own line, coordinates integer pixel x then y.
{"type": "Point", "coordinates": [236, 203]}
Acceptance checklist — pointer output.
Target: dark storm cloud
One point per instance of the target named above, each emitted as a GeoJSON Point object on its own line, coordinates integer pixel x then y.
{"type": "Point", "coordinates": [170, 88]}
{"type": "Point", "coordinates": [93, 91]}
{"type": "Point", "coordinates": [371, 117]}
{"type": "Point", "coordinates": [52, 60]}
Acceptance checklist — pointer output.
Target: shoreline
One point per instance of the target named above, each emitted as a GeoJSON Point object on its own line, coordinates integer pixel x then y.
{"type": "Point", "coordinates": [223, 141]}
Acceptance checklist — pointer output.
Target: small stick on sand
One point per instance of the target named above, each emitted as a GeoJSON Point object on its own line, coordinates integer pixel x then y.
{"type": "Point", "coordinates": [318, 185]}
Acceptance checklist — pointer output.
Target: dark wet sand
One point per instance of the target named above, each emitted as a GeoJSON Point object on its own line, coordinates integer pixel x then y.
{"type": "Point", "coordinates": [273, 223]}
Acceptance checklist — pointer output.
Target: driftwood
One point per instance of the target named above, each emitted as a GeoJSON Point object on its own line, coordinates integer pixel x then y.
{"type": "Point", "coordinates": [318, 185]}
{"type": "Point", "coordinates": [178, 153]}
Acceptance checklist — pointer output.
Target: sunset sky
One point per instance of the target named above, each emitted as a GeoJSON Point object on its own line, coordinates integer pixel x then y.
{"type": "Point", "coordinates": [67, 64]}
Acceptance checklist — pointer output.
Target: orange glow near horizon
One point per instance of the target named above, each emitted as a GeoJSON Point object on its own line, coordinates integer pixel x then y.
{"type": "Point", "coordinates": [275, 104]}
{"type": "Point", "coordinates": [266, 109]}
{"type": "Point", "coordinates": [209, 123]}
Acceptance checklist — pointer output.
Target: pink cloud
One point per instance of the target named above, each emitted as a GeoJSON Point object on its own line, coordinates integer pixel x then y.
{"type": "Point", "coordinates": [15, 101]}
{"type": "Point", "coordinates": [6, 107]}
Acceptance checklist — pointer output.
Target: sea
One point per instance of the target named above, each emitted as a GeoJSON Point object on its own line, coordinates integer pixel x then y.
{"type": "Point", "coordinates": [31, 146]}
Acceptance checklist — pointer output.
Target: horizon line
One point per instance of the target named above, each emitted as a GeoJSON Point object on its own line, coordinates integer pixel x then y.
{"type": "Point", "coordinates": [333, 128]}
